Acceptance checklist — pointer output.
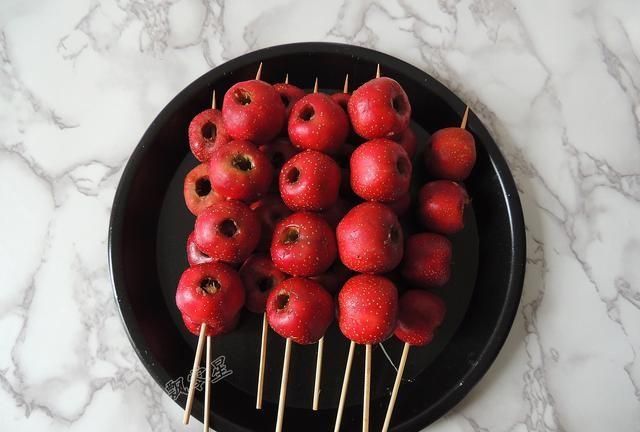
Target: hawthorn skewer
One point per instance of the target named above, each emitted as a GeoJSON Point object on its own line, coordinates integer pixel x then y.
{"type": "Point", "coordinates": [259, 72]}
{"type": "Point", "coordinates": [263, 360]}
{"type": "Point", "coordinates": [465, 117]}
{"type": "Point", "coordinates": [283, 384]}
{"type": "Point", "coordinates": [366, 401]}
{"type": "Point", "coordinates": [345, 386]}
{"type": "Point", "coordinates": [396, 386]}
{"type": "Point", "coordinates": [196, 364]}
{"type": "Point", "coordinates": [345, 88]}
{"type": "Point", "coordinates": [378, 71]}
{"type": "Point", "coordinates": [207, 387]}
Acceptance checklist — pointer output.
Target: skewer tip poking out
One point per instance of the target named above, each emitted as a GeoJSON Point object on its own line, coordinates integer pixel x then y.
{"type": "Point", "coordinates": [213, 100]}
{"type": "Point", "coordinates": [378, 71]}
{"type": "Point", "coordinates": [367, 389]}
{"type": "Point", "coordinates": [194, 373]}
{"type": "Point", "coordinates": [286, 79]}
{"type": "Point", "coordinates": [263, 358]}
{"type": "Point", "coordinates": [259, 73]}
{"type": "Point", "coordinates": [465, 117]}
{"type": "Point", "coordinates": [207, 388]}
{"type": "Point", "coordinates": [345, 386]}
{"type": "Point", "coordinates": [315, 86]}
{"type": "Point", "coordinates": [283, 385]}
{"type": "Point", "coordinates": [345, 88]}
{"type": "Point", "coordinates": [316, 387]}
{"type": "Point", "coordinates": [396, 386]}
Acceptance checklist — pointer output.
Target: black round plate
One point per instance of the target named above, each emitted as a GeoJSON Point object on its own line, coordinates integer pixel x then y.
{"type": "Point", "coordinates": [149, 226]}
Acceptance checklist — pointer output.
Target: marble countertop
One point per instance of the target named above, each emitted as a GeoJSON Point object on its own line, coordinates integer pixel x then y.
{"type": "Point", "coordinates": [556, 82]}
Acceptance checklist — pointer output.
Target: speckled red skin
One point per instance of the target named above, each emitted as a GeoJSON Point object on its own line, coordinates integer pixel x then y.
{"type": "Point", "coordinates": [194, 327]}
{"type": "Point", "coordinates": [300, 309]}
{"type": "Point", "coordinates": [451, 154]}
{"type": "Point", "coordinates": [334, 214]}
{"type": "Point", "coordinates": [420, 314]}
{"type": "Point", "coordinates": [238, 170]}
{"type": "Point", "coordinates": [217, 307]}
{"type": "Point", "coordinates": [310, 252]}
{"type": "Point", "coordinates": [401, 205]}
{"type": "Point", "coordinates": [198, 193]}
{"type": "Point", "coordinates": [372, 112]}
{"type": "Point", "coordinates": [441, 206]}
{"type": "Point", "coordinates": [270, 210]}
{"type": "Point", "coordinates": [279, 151]}
{"type": "Point", "coordinates": [289, 94]}
{"type": "Point", "coordinates": [194, 255]}
{"type": "Point", "coordinates": [333, 279]}
{"type": "Point", "coordinates": [380, 171]}
{"type": "Point", "coordinates": [368, 309]}
{"type": "Point", "coordinates": [259, 277]}
{"type": "Point", "coordinates": [206, 132]}
{"type": "Point", "coordinates": [227, 231]}
{"type": "Point", "coordinates": [310, 181]}
{"type": "Point", "coordinates": [427, 260]}
{"type": "Point", "coordinates": [326, 129]}
{"type": "Point", "coordinates": [261, 119]}
{"type": "Point", "coordinates": [370, 239]}
{"type": "Point", "coordinates": [408, 142]}
{"type": "Point", "coordinates": [342, 99]}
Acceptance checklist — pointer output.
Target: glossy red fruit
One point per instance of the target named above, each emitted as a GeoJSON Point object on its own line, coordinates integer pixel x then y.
{"type": "Point", "coordinates": [252, 110]}
{"type": "Point", "coordinates": [318, 123]}
{"type": "Point", "coordinates": [278, 152]}
{"type": "Point", "coordinates": [289, 94]}
{"type": "Point", "coordinates": [333, 279]}
{"type": "Point", "coordinates": [238, 170]}
{"type": "Point", "coordinates": [198, 193]}
{"type": "Point", "coordinates": [310, 181]}
{"type": "Point", "coordinates": [379, 108]}
{"type": "Point", "coordinates": [380, 171]}
{"type": "Point", "coordinates": [270, 210]}
{"type": "Point", "coordinates": [401, 205]}
{"type": "Point", "coordinates": [408, 142]}
{"type": "Point", "coordinates": [368, 309]}
{"type": "Point", "coordinates": [427, 260]}
{"type": "Point", "coordinates": [300, 309]}
{"type": "Point", "coordinates": [420, 314]}
{"type": "Point", "coordinates": [342, 99]}
{"type": "Point", "coordinates": [206, 132]}
{"type": "Point", "coordinates": [370, 239]}
{"type": "Point", "coordinates": [441, 206]}
{"type": "Point", "coordinates": [451, 154]}
{"type": "Point", "coordinates": [194, 327]}
{"type": "Point", "coordinates": [303, 245]}
{"type": "Point", "coordinates": [259, 277]}
{"type": "Point", "coordinates": [194, 255]}
{"type": "Point", "coordinates": [227, 231]}
{"type": "Point", "coordinates": [210, 293]}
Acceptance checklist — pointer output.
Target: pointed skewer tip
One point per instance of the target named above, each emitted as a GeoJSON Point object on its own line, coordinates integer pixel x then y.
{"type": "Point", "coordinates": [259, 72]}
{"type": "Point", "coordinates": [315, 86]}
{"type": "Point", "coordinates": [378, 71]}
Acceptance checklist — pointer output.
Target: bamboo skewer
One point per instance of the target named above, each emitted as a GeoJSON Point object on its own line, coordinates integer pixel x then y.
{"type": "Point", "coordinates": [465, 117]}
{"type": "Point", "coordinates": [315, 86]}
{"type": "Point", "coordinates": [259, 72]}
{"type": "Point", "coordinates": [378, 71]}
{"type": "Point", "coordinates": [263, 361]}
{"type": "Point", "coordinates": [316, 387]}
{"type": "Point", "coordinates": [286, 79]}
{"type": "Point", "coordinates": [396, 386]}
{"type": "Point", "coordinates": [194, 372]}
{"type": "Point", "coordinates": [367, 389]}
{"type": "Point", "coordinates": [283, 384]}
{"type": "Point", "coordinates": [345, 88]}
{"type": "Point", "coordinates": [207, 387]}
{"type": "Point", "coordinates": [345, 386]}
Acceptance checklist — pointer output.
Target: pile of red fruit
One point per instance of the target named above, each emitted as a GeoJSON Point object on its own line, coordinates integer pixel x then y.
{"type": "Point", "coordinates": [290, 211]}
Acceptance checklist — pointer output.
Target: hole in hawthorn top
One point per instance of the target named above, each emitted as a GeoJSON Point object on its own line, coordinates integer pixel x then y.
{"type": "Point", "coordinates": [277, 160]}
{"type": "Point", "coordinates": [203, 186]}
{"type": "Point", "coordinates": [398, 104]}
{"type": "Point", "coordinates": [242, 162]}
{"type": "Point", "coordinates": [265, 283]}
{"type": "Point", "coordinates": [307, 113]}
{"type": "Point", "coordinates": [402, 165]}
{"type": "Point", "coordinates": [209, 285]}
{"type": "Point", "coordinates": [293, 175]}
{"type": "Point", "coordinates": [242, 96]}
{"type": "Point", "coordinates": [285, 100]}
{"type": "Point", "coordinates": [209, 131]}
{"type": "Point", "coordinates": [228, 228]}
{"type": "Point", "coordinates": [394, 234]}
{"type": "Point", "coordinates": [290, 235]}
{"type": "Point", "coordinates": [282, 300]}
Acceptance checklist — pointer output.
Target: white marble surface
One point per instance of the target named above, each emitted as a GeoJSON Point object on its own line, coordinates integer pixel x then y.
{"type": "Point", "coordinates": [556, 82]}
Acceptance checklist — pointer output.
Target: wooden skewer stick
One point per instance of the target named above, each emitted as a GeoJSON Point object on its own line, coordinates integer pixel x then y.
{"type": "Point", "coordinates": [207, 387]}
{"type": "Point", "coordinates": [367, 389]}
{"type": "Point", "coordinates": [283, 384]}
{"type": "Point", "coordinates": [263, 360]}
{"type": "Point", "coordinates": [345, 88]}
{"type": "Point", "coordinates": [345, 386]}
{"type": "Point", "coordinates": [316, 387]}
{"type": "Point", "coordinates": [259, 73]}
{"type": "Point", "coordinates": [378, 71]}
{"type": "Point", "coordinates": [213, 100]}
{"type": "Point", "coordinates": [315, 86]}
{"type": "Point", "coordinates": [194, 373]}
{"type": "Point", "coordinates": [396, 386]}
{"type": "Point", "coordinates": [465, 117]}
